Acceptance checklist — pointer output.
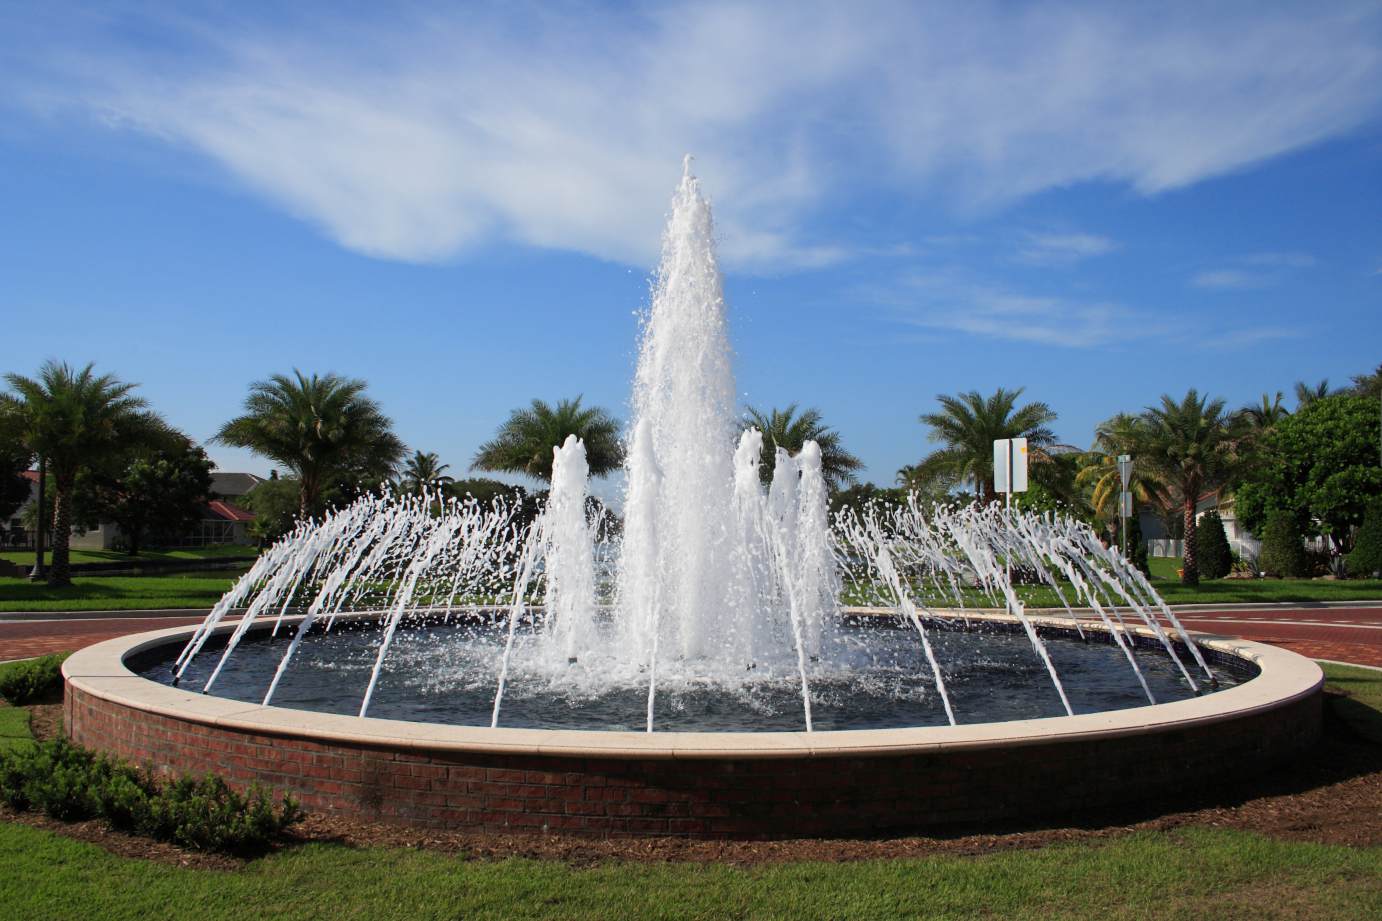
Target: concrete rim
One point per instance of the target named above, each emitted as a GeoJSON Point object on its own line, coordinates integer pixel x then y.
{"type": "Point", "coordinates": [1285, 677]}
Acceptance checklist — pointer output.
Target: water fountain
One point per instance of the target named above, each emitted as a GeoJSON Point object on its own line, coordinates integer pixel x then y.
{"type": "Point", "coordinates": [722, 666]}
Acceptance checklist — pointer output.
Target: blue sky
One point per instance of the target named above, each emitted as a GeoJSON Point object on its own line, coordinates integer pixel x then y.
{"type": "Point", "coordinates": [462, 205]}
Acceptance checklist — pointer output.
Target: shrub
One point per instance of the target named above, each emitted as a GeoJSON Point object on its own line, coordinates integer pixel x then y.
{"type": "Point", "coordinates": [34, 681]}
{"type": "Point", "coordinates": [1215, 559]}
{"type": "Point", "coordinates": [1366, 558]}
{"type": "Point", "coordinates": [1283, 549]}
{"type": "Point", "coordinates": [71, 783]}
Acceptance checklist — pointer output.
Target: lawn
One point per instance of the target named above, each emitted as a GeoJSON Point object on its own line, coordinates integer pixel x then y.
{"type": "Point", "coordinates": [26, 557]}
{"type": "Point", "coordinates": [1233, 591]}
{"type": "Point", "coordinates": [1190, 873]}
{"type": "Point", "coordinates": [97, 593]}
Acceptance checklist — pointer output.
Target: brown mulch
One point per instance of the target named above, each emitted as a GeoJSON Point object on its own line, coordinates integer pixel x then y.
{"type": "Point", "coordinates": [45, 721]}
{"type": "Point", "coordinates": [1333, 796]}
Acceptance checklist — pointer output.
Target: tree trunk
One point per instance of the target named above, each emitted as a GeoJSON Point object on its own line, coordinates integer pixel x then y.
{"type": "Point", "coordinates": [132, 541]}
{"type": "Point", "coordinates": [60, 573]}
{"type": "Point", "coordinates": [1190, 567]}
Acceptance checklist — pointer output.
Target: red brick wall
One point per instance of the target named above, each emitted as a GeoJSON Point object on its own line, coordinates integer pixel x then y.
{"type": "Point", "coordinates": [708, 798]}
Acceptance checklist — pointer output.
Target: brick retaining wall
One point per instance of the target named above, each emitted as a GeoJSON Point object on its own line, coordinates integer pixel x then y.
{"type": "Point", "coordinates": [713, 797]}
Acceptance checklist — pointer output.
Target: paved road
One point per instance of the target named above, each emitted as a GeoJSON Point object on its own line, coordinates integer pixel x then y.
{"type": "Point", "coordinates": [1344, 634]}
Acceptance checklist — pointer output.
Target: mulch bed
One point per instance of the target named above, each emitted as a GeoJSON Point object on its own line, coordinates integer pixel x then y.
{"type": "Point", "coordinates": [1333, 796]}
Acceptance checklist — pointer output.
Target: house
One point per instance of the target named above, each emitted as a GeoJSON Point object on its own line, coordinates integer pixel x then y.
{"type": "Point", "coordinates": [223, 521]}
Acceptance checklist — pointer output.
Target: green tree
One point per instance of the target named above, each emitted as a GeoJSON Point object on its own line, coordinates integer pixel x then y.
{"type": "Point", "coordinates": [424, 470]}
{"type": "Point", "coordinates": [161, 488]}
{"type": "Point", "coordinates": [1098, 470]}
{"type": "Point", "coordinates": [1264, 415]}
{"type": "Point", "coordinates": [323, 429]}
{"type": "Point", "coordinates": [15, 458]}
{"type": "Point", "coordinates": [790, 430]}
{"type": "Point", "coordinates": [1053, 486]}
{"type": "Point", "coordinates": [1320, 465]}
{"type": "Point", "coordinates": [1215, 556]}
{"type": "Point", "coordinates": [1366, 558]}
{"type": "Point", "coordinates": [861, 496]}
{"type": "Point", "coordinates": [968, 424]}
{"type": "Point", "coordinates": [75, 419]}
{"type": "Point", "coordinates": [1368, 385]}
{"type": "Point", "coordinates": [525, 441]}
{"type": "Point", "coordinates": [1309, 393]}
{"type": "Point", "coordinates": [275, 504]}
{"type": "Point", "coordinates": [1283, 549]}
{"type": "Point", "coordinates": [1188, 447]}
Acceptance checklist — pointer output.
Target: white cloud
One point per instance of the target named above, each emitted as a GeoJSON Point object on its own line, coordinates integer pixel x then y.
{"type": "Point", "coordinates": [1291, 260]}
{"type": "Point", "coordinates": [956, 302]}
{"type": "Point", "coordinates": [1230, 280]}
{"type": "Point", "coordinates": [1054, 249]}
{"type": "Point", "coordinates": [1267, 270]}
{"type": "Point", "coordinates": [419, 135]}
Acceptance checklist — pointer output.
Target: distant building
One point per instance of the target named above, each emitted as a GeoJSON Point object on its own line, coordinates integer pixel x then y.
{"type": "Point", "coordinates": [223, 521]}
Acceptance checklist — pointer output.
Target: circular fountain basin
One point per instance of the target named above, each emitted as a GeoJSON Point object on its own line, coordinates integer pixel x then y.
{"type": "Point", "coordinates": [708, 784]}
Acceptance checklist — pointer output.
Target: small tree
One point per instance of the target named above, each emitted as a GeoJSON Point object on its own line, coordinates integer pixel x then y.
{"type": "Point", "coordinates": [1283, 548]}
{"type": "Point", "coordinates": [1216, 559]}
{"type": "Point", "coordinates": [159, 490]}
{"type": "Point", "coordinates": [275, 504]}
{"type": "Point", "coordinates": [1366, 558]}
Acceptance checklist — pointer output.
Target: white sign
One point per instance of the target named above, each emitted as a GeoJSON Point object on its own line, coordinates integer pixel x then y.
{"type": "Point", "coordinates": [1125, 508]}
{"type": "Point", "coordinates": [1010, 456]}
{"type": "Point", "coordinates": [1125, 469]}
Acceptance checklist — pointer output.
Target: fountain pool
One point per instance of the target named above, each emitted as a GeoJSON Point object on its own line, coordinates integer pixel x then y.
{"type": "Point", "coordinates": [732, 661]}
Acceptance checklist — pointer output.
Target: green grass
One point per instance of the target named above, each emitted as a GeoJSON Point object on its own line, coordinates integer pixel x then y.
{"type": "Point", "coordinates": [1362, 710]}
{"type": "Point", "coordinates": [1190, 873]}
{"type": "Point", "coordinates": [26, 557]}
{"type": "Point", "coordinates": [96, 593]}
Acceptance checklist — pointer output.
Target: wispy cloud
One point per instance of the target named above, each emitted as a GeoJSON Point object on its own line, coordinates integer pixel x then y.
{"type": "Point", "coordinates": [1055, 249]}
{"type": "Point", "coordinates": [1291, 260]}
{"type": "Point", "coordinates": [419, 135]}
{"type": "Point", "coordinates": [1231, 280]}
{"type": "Point", "coordinates": [957, 302]}
{"type": "Point", "coordinates": [1253, 270]}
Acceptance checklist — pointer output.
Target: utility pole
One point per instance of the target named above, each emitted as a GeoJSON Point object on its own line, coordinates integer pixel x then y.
{"type": "Point", "coordinates": [37, 573]}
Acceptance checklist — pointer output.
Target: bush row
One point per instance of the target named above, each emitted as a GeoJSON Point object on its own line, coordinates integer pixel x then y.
{"type": "Point", "coordinates": [33, 681]}
{"type": "Point", "coordinates": [72, 783]}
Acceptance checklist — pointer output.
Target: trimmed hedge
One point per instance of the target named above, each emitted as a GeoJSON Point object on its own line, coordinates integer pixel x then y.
{"type": "Point", "coordinates": [33, 681]}
{"type": "Point", "coordinates": [1283, 547]}
{"type": "Point", "coordinates": [71, 783]}
{"type": "Point", "coordinates": [1212, 551]}
{"type": "Point", "coordinates": [1366, 558]}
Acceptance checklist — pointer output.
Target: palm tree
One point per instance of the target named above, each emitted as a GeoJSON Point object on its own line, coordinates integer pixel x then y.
{"type": "Point", "coordinates": [1263, 416]}
{"type": "Point", "coordinates": [786, 429]}
{"type": "Point", "coordinates": [1099, 467]}
{"type": "Point", "coordinates": [1368, 385]}
{"type": "Point", "coordinates": [969, 423]}
{"type": "Point", "coordinates": [323, 429]}
{"type": "Point", "coordinates": [524, 443]}
{"type": "Point", "coordinates": [1189, 446]}
{"type": "Point", "coordinates": [423, 470]}
{"type": "Point", "coordinates": [1306, 394]}
{"type": "Point", "coordinates": [74, 419]}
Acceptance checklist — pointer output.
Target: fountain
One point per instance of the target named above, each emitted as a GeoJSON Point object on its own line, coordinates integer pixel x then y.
{"type": "Point", "coordinates": [735, 661]}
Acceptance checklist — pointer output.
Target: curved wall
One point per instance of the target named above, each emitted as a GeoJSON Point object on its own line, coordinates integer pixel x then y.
{"type": "Point", "coordinates": [778, 784]}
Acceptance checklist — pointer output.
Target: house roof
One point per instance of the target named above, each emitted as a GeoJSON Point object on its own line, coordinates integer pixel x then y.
{"type": "Point", "coordinates": [233, 485]}
{"type": "Point", "coordinates": [218, 508]}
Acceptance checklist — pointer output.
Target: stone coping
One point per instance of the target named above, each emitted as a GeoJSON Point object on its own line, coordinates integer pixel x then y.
{"type": "Point", "coordinates": [1285, 677]}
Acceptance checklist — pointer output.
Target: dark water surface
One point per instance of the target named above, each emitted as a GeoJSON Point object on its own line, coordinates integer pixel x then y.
{"type": "Point", "coordinates": [873, 677]}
